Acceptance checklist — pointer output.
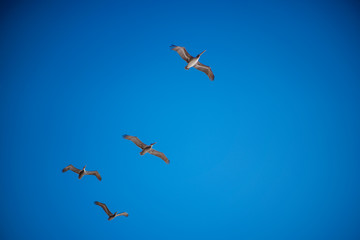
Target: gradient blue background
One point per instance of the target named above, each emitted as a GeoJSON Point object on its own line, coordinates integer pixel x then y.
{"type": "Point", "coordinates": [269, 150]}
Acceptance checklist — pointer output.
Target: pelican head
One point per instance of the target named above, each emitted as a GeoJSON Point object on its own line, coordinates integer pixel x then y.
{"type": "Point", "coordinates": [152, 143]}
{"type": "Point", "coordinates": [84, 168]}
{"type": "Point", "coordinates": [115, 213]}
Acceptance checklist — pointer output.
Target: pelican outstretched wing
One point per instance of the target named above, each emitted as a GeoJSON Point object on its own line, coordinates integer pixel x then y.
{"type": "Point", "coordinates": [182, 52]}
{"type": "Point", "coordinates": [122, 214]}
{"type": "Point", "coordinates": [135, 140]}
{"type": "Point", "coordinates": [160, 155]}
{"type": "Point", "coordinates": [95, 173]}
{"type": "Point", "coordinates": [72, 168]}
{"type": "Point", "coordinates": [205, 69]}
{"type": "Point", "coordinates": [104, 207]}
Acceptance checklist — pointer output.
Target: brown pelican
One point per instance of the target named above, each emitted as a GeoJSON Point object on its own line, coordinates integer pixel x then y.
{"type": "Point", "coordinates": [193, 61]}
{"type": "Point", "coordinates": [82, 172]}
{"type": "Point", "coordinates": [147, 148]}
{"type": "Point", "coordinates": [111, 216]}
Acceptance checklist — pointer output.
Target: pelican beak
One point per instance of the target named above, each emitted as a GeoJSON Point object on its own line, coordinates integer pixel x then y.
{"type": "Point", "coordinates": [202, 52]}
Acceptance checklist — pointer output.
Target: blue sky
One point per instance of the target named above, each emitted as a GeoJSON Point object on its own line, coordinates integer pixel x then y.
{"type": "Point", "coordinates": [269, 150]}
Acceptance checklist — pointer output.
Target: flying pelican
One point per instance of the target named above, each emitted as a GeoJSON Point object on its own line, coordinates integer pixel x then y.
{"type": "Point", "coordinates": [111, 216]}
{"type": "Point", "coordinates": [82, 172]}
{"type": "Point", "coordinates": [193, 61]}
{"type": "Point", "coordinates": [147, 148]}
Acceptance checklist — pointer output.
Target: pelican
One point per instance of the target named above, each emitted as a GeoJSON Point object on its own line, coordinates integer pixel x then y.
{"type": "Point", "coordinates": [111, 216]}
{"type": "Point", "coordinates": [82, 172]}
{"type": "Point", "coordinates": [193, 61]}
{"type": "Point", "coordinates": [147, 148]}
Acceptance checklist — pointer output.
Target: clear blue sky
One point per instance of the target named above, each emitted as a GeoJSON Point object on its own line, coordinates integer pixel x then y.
{"type": "Point", "coordinates": [269, 150]}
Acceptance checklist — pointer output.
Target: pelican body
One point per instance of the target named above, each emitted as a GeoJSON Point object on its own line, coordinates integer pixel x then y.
{"type": "Point", "coordinates": [82, 172]}
{"type": "Point", "coordinates": [146, 149]}
{"type": "Point", "coordinates": [193, 61]}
